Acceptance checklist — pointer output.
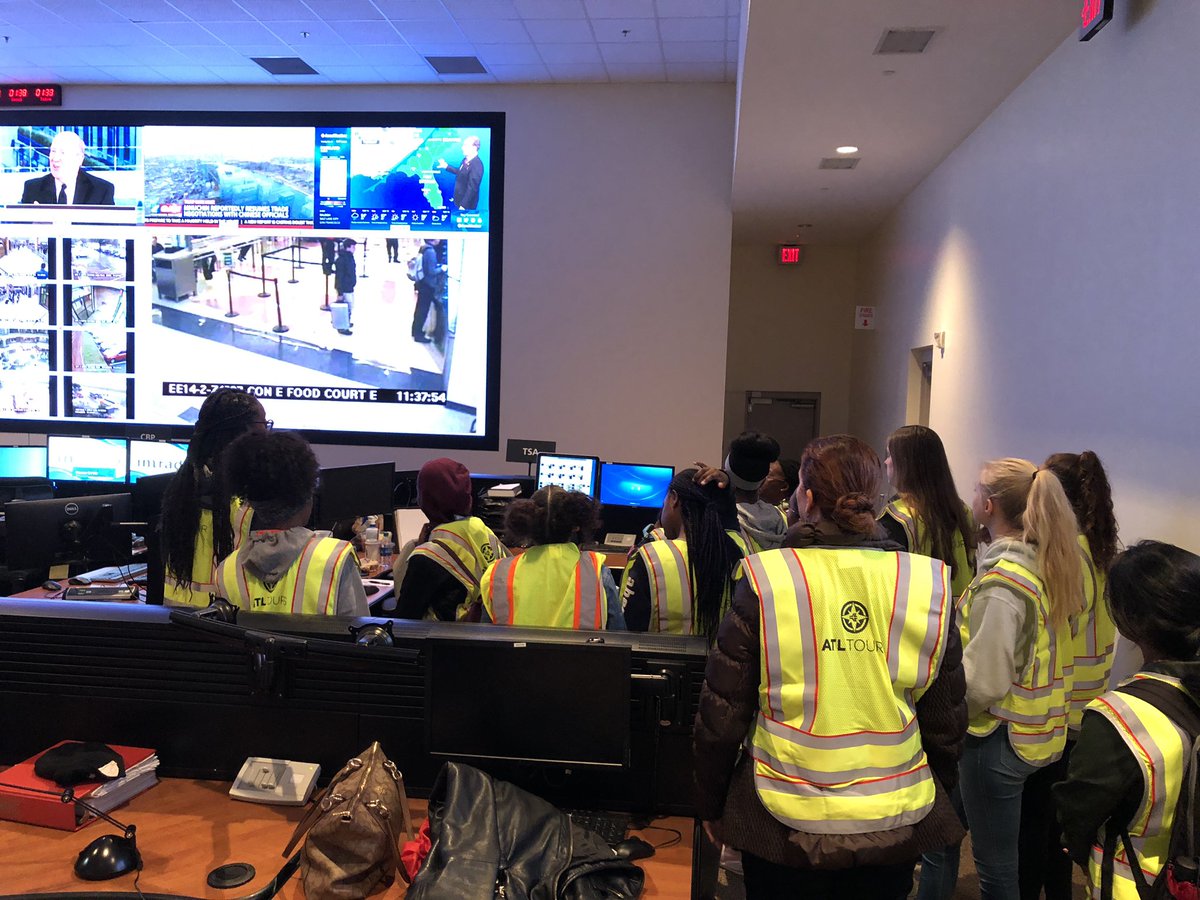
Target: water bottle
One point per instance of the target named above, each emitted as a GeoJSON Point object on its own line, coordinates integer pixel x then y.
{"type": "Point", "coordinates": [371, 546]}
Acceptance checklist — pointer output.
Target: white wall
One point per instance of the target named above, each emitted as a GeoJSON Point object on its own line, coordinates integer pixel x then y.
{"type": "Point", "coordinates": [1056, 247]}
{"type": "Point", "coordinates": [616, 244]}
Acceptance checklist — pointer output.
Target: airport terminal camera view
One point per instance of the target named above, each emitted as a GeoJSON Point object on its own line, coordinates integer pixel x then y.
{"type": "Point", "coordinates": [344, 274]}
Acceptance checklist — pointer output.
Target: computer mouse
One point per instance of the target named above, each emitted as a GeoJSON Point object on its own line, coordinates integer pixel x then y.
{"type": "Point", "coordinates": [51, 586]}
{"type": "Point", "coordinates": [633, 848]}
{"type": "Point", "coordinates": [108, 856]}
{"type": "Point", "coordinates": [79, 579]}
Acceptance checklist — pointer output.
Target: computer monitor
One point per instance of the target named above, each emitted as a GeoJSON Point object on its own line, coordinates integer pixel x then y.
{"type": "Point", "coordinates": [44, 533]}
{"type": "Point", "coordinates": [22, 462]}
{"type": "Point", "coordinates": [154, 458]}
{"type": "Point", "coordinates": [349, 491]}
{"type": "Point", "coordinates": [574, 473]}
{"type": "Point", "coordinates": [491, 700]}
{"type": "Point", "coordinates": [626, 484]}
{"type": "Point", "coordinates": [87, 459]}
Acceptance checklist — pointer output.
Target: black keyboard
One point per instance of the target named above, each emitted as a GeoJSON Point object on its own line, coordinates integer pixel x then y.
{"type": "Point", "coordinates": [610, 826]}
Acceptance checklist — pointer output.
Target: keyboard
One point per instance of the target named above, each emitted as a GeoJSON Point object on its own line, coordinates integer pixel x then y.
{"type": "Point", "coordinates": [117, 573]}
{"type": "Point", "coordinates": [610, 826]}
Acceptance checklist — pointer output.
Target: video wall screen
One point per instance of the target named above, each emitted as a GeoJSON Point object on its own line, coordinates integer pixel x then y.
{"type": "Point", "coordinates": [343, 268]}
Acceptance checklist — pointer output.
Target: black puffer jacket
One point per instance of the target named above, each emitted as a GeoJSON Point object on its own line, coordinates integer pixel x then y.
{"type": "Point", "coordinates": [491, 839]}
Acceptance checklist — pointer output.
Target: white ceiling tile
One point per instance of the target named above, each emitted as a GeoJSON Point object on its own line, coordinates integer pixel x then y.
{"type": "Point", "coordinates": [351, 74]}
{"type": "Point", "coordinates": [625, 31]}
{"type": "Point", "coordinates": [620, 9]}
{"type": "Point", "coordinates": [492, 31]}
{"type": "Point", "coordinates": [569, 53]}
{"type": "Point", "coordinates": [577, 72]}
{"type": "Point", "coordinates": [733, 28]}
{"type": "Point", "coordinates": [520, 74]}
{"type": "Point", "coordinates": [146, 10]}
{"type": "Point", "coordinates": [732, 51]}
{"type": "Point", "coordinates": [550, 9]}
{"type": "Point", "coordinates": [251, 74]}
{"type": "Point", "coordinates": [206, 11]}
{"type": "Point", "coordinates": [685, 8]}
{"type": "Point", "coordinates": [397, 55]}
{"type": "Point", "coordinates": [368, 33]}
{"type": "Point", "coordinates": [694, 51]}
{"type": "Point", "coordinates": [508, 55]}
{"type": "Point", "coordinates": [292, 32]}
{"type": "Point", "coordinates": [696, 71]}
{"type": "Point", "coordinates": [78, 74]}
{"type": "Point", "coordinates": [58, 34]}
{"type": "Point", "coordinates": [559, 31]}
{"type": "Point", "coordinates": [619, 54]}
{"type": "Point", "coordinates": [407, 74]}
{"type": "Point", "coordinates": [344, 10]}
{"type": "Point", "coordinates": [243, 33]}
{"type": "Point", "coordinates": [89, 11]}
{"type": "Point", "coordinates": [325, 53]}
{"type": "Point", "coordinates": [639, 72]}
{"type": "Point", "coordinates": [408, 9]}
{"type": "Point", "coordinates": [430, 32]}
{"type": "Point", "coordinates": [116, 33]}
{"type": "Point", "coordinates": [182, 34]}
{"type": "Point", "coordinates": [209, 56]}
{"type": "Point", "coordinates": [708, 28]}
{"type": "Point", "coordinates": [482, 9]}
{"type": "Point", "coordinates": [185, 74]}
{"type": "Point", "coordinates": [277, 10]}
{"type": "Point", "coordinates": [133, 74]}
{"type": "Point", "coordinates": [22, 12]}
{"type": "Point", "coordinates": [444, 49]}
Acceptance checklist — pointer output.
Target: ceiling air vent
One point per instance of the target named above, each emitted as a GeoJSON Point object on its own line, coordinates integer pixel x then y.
{"type": "Point", "coordinates": [839, 162]}
{"type": "Point", "coordinates": [905, 40]}
{"type": "Point", "coordinates": [285, 65]}
{"type": "Point", "coordinates": [456, 65]}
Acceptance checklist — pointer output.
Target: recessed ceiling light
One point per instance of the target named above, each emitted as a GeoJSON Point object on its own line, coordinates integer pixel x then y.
{"type": "Point", "coordinates": [847, 149]}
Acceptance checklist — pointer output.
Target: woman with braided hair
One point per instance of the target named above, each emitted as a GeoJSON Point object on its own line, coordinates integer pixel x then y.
{"type": "Point", "coordinates": [682, 584]}
{"type": "Point", "coordinates": [193, 539]}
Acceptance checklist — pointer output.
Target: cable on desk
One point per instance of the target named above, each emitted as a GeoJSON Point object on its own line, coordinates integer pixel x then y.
{"type": "Point", "coordinates": [670, 842]}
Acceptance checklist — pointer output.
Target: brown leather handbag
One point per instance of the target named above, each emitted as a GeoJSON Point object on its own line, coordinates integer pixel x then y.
{"type": "Point", "coordinates": [353, 830]}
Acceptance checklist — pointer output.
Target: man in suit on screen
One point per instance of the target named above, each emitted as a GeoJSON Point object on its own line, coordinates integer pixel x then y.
{"type": "Point", "coordinates": [67, 182]}
{"type": "Point", "coordinates": [467, 176]}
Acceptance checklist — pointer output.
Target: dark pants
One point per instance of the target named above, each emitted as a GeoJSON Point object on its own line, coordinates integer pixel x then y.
{"type": "Point", "coordinates": [769, 881]}
{"type": "Point", "coordinates": [1042, 864]}
{"type": "Point", "coordinates": [393, 249]}
{"type": "Point", "coordinates": [421, 313]}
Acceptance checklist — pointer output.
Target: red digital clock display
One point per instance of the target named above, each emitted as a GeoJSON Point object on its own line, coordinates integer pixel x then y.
{"type": "Point", "coordinates": [31, 95]}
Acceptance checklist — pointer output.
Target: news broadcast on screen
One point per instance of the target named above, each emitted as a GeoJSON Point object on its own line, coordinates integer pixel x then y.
{"type": "Point", "coordinates": [343, 270]}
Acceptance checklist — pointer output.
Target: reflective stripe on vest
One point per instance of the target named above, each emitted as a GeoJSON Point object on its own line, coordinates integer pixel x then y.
{"type": "Point", "coordinates": [919, 541]}
{"type": "Point", "coordinates": [850, 640]}
{"type": "Point", "coordinates": [309, 586]}
{"type": "Point", "coordinates": [1160, 748]}
{"type": "Point", "coordinates": [464, 548]}
{"type": "Point", "coordinates": [1095, 640]}
{"type": "Point", "coordinates": [671, 594]}
{"type": "Point", "coordinates": [1035, 708]}
{"type": "Point", "coordinates": [554, 585]}
{"type": "Point", "coordinates": [203, 586]}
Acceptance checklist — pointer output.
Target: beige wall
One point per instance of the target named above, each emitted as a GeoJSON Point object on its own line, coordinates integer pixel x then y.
{"type": "Point", "coordinates": [790, 329]}
{"type": "Point", "coordinates": [1055, 247]}
{"type": "Point", "coordinates": [616, 243]}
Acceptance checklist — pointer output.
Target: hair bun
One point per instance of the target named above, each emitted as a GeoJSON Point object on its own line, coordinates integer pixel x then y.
{"type": "Point", "coordinates": [855, 513]}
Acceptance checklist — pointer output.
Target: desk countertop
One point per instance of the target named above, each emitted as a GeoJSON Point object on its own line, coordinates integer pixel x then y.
{"type": "Point", "coordinates": [187, 828]}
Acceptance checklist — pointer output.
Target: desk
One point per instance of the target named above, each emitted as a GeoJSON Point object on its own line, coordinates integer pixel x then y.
{"type": "Point", "coordinates": [187, 828]}
{"type": "Point", "coordinates": [378, 589]}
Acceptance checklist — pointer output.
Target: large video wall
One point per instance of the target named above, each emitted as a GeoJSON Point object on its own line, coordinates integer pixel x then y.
{"type": "Point", "coordinates": [345, 270]}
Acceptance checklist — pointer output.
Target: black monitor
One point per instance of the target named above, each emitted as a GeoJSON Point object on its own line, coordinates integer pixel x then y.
{"type": "Point", "coordinates": [492, 700]}
{"type": "Point", "coordinates": [346, 492]}
{"type": "Point", "coordinates": [43, 533]}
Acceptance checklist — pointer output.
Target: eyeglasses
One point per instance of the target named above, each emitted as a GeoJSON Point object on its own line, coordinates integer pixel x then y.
{"type": "Point", "coordinates": [266, 423]}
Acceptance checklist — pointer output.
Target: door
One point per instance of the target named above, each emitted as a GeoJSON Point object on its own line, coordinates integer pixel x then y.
{"type": "Point", "coordinates": [793, 419]}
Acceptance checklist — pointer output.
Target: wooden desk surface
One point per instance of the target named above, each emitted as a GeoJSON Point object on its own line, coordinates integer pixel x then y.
{"type": "Point", "coordinates": [187, 828]}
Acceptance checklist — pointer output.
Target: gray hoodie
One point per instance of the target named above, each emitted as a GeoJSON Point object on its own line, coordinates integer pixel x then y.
{"type": "Point", "coordinates": [270, 554]}
{"type": "Point", "coordinates": [762, 523]}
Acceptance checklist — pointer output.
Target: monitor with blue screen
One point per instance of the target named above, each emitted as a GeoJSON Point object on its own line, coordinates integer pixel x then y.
{"type": "Point", "coordinates": [624, 484]}
{"type": "Point", "coordinates": [573, 473]}
{"type": "Point", "coordinates": [87, 459]}
{"type": "Point", "coordinates": [22, 462]}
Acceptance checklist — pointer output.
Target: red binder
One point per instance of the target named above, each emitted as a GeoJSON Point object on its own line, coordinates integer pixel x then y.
{"type": "Point", "coordinates": [18, 805]}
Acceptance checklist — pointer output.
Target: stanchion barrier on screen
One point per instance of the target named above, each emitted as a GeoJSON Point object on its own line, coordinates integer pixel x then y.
{"type": "Point", "coordinates": [280, 328]}
{"type": "Point", "coordinates": [295, 253]}
{"type": "Point", "coordinates": [325, 305]}
{"type": "Point", "coordinates": [229, 283]}
{"type": "Point", "coordinates": [262, 274]}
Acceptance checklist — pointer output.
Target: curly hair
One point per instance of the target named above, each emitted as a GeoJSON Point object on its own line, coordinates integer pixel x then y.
{"type": "Point", "coordinates": [551, 516]}
{"type": "Point", "coordinates": [276, 473]}
{"type": "Point", "coordinates": [1086, 486]}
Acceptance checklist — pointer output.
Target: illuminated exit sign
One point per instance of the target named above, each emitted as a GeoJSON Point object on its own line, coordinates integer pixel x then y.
{"type": "Point", "coordinates": [1094, 15]}
{"type": "Point", "coordinates": [789, 254]}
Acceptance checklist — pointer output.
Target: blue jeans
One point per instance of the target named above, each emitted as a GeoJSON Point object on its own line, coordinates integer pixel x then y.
{"type": "Point", "coordinates": [939, 868]}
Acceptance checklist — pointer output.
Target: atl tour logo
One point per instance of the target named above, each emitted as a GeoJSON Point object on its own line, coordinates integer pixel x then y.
{"type": "Point", "coordinates": [855, 620]}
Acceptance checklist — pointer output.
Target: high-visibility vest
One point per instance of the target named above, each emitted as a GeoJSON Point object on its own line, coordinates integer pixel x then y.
{"type": "Point", "coordinates": [309, 587]}
{"type": "Point", "coordinates": [554, 585]}
{"type": "Point", "coordinates": [1094, 640]}
{"type": "Point", "coordinates": [850, 640]}
{"type": "Point", "coordinates": [200, 591]}
{"type": "Point", "coordinates": [671, 597]}
{"type": "Point", "coordinates": [1035, 708]}
{"type": "Point", "coordinates": [464, 548]}
{"type": "Point", "coordinates": [920, 541]}
{"type": "Point", "coordinates": [1160, 748]}
{"type": "Point", "coordinates": [753, 546]}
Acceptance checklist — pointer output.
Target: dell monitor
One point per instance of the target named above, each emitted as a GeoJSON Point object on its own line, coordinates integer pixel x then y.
{"type": "Point", "coordinates": [87, 459]}
{"type": "Point", "coordinates": [45, 533]}
{"type": "Point", "coordinates": [346, 492]}
{"type": "Point", "coordinates": [623, 484]}
{"type": "Point", "coordinates": [572, 473]}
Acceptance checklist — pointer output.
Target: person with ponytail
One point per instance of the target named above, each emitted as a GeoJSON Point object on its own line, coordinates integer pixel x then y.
{"type": "Point", "coordinates": [927, 516]}
{"type": "Point", "coordinates": [682, 583]}
{"type": "Point", "coordinates": [193, 539]}
{"type": "Point", "coordinates": [1128, 769]}
{"type": "Point", "coordinates": [832, 713]}
{"type": "Point", "coordinates": [552, 583]}
{"type": "Point", "coordinates": [1015, 620]}
{"type": "Point", "coordinates": [1043, 865]}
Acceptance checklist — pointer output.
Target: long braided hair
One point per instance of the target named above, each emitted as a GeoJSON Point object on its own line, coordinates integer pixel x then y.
{"type": "Point", "coordinates": [706, 511]}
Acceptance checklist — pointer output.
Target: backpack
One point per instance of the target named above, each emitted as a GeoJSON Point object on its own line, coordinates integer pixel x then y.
{"type": "Point", "coordinates": [416, 271]}
{"type": "Point", "coordinates": [1180, 877]}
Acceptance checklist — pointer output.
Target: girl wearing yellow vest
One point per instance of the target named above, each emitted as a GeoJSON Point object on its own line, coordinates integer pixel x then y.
{"type": "Point", "coordinates": [284, 567]}
{"type": "Point", "coordinates": [926, 516]}
{"type": "Point", "coordinates": [1016, 633]}
{"type": "Point", "coordinates": [682, 584]}
{"type": "Point", "coordinates": [831, 716]}
{"type": "Point", "coordinates": [1043, 864]}
{"type": "Point", "coordinates": [1130, 762]}
{"type": "Point", "coordinates": [193, 539]}
{"type": "Point", "coordinates": [553, 583]}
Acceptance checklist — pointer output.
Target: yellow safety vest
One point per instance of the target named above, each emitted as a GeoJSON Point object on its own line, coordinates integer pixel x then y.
{"type": "Point", "coordinates": [850, 640]}
{"type": "Point", "coordinates": [1094, 640]}
{"type": "Point", "coordinates": [203, 586]}
{"type": "Point", "coordinates": [919, 541]}
{"type": "Point", "coordinates": [554, 585]}
{"type": "Point", "coordinates": [1035, 709]}
{"type": "Point", "coordinates": [464, 548]}
{"type": "Point", "coordinates": [1160, 748]}
{"type": "Point", "coordinates": [309, 587]}
{"type": "Point", "coordinates": [671, 598]}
